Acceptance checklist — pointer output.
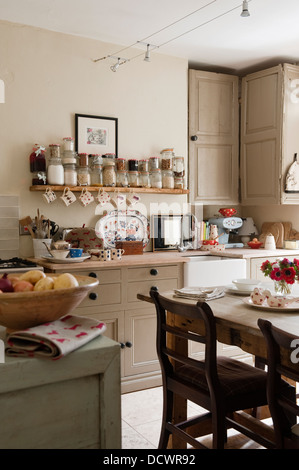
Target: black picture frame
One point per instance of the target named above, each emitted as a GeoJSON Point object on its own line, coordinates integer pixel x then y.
{"type": "Point", "coordinates": [96, 134]}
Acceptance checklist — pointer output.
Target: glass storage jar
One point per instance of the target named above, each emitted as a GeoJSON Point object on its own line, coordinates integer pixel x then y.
{"type": "Point", "coordinates": [55, 171]}
{"type": "Point", "coordinates": [83, 159]}
{"type": "Point", "coordinates": [39, 178]}
{"type": "Point", "coordinates": [68, 144]}
{"type": "Point", "coordinates": [178, 166]}
{"type": "Point", "coordinates": [144, 179]}
{"type": "Point", "coordinates": [70, 174]}
{"type": "Point", "coordinates": [83, 176]}
{"type": "Point", "coordinates": [96, 175]}
{"type": "Point", "coordinates": [109, 174]}
{"type": "Point", "coordinates": [54, 151]}
{"type": "Point", "coordinates": [166, 160]}
{"type": "Point", "coordinates": [133, 164]}
{"type": "Point", "coordinates": [156, 178]}
{"type": "Point", "coordinates": [37, 159]}
{"type": "Point", "coordinates": [167, 179]}
{"type": "Point", "coordinates": [178, 182]}
{"type": "Point", "coordinates": [121, 164]}
{"type": "Point", "coordinates": [122, 178]}
{"type": "Point", "coordinates": [133, 177]}
{"type": "Point", "coordinates": [154, 163]}
{"type": "Point", "coordinates": [142, 165]}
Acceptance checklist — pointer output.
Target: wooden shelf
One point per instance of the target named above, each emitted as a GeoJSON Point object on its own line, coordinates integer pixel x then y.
{"type": "Point", "coordinates": [110, 189]}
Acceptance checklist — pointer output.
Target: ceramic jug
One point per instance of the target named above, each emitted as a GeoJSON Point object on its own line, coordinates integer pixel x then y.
{"type": "Point", "coordinates": [270, 242]}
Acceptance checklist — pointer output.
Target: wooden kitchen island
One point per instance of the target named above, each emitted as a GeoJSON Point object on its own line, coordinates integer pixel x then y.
{"type": "Point", "coordinates": [69, 403]}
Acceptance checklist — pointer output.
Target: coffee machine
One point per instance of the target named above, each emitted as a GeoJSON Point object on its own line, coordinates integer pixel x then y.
{"type": "Point", "coordinates": [227, 226]}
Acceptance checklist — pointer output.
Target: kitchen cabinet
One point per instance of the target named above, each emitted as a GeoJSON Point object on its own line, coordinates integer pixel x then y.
{"type": "Point", "coordinates": [269, 134]}
{"type": "Point", "coordinates": [129, 321]}
{"type": "Point", "coordinates": [213, 138]}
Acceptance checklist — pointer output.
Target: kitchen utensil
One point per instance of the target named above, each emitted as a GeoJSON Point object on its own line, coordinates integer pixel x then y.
{"type": "Point", "coordinates": [59, 254]}
{"type": "Point", "coordinates": [49, 196]}
{"type": "Point", "coordinates": [76, 252]}
{"type": "Point", "coordinates": [27, 222]}
{"type": "Point", "coordinates": [270, 242]}
{"type": "Point", "coordinates": [16, 308]}
{"type": "Point", "coordinates": [39, 248]}
{"type": "Point", "coordinates": [276, 229]}
{"type": "Point", "coordinates": [66, 260]}
{"type": "Point", "coordinates": [68, 197]}
{"type": "Point", "coordinates": [48, 249]}
{"type": "Point", "coordinates": [246, 284]}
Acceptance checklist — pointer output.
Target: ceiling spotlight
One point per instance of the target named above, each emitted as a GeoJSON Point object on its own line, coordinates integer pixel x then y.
{"type": "Point", "coordinates": [147, 57]}
{"type": "Point", "coordinates": [115, 66]}
{"type": "Point", "coordinates": [245, 11]}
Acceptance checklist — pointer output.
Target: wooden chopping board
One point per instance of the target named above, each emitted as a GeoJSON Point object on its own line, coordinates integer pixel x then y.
{"type": "Point", "coordinates": [276, 229]}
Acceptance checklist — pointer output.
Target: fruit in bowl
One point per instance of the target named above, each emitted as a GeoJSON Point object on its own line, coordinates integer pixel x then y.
{"type": "Point", "coordinates": [41, 298]}
{"type": "Point", "coordinates": [255, 243]}
{"type": "Point", "coordinates": [209, 242]}
{"type": "Point", "coordinates": [227, 212]}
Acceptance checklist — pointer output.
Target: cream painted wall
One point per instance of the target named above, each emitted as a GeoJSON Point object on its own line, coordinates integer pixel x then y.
{"type": "Point", "coordinates": [49, 77]}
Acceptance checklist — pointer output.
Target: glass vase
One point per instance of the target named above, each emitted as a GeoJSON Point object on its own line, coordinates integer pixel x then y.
{"type": "Point", "coordinates": [283, 288]}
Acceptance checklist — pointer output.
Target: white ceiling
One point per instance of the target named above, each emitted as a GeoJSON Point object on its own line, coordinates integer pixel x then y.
{"type": "Point", "coordinates": [220, 38]}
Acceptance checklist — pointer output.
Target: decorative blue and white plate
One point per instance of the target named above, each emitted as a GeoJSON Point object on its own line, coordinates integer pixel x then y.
{"type": "Point", "coordinates": [127, 225]}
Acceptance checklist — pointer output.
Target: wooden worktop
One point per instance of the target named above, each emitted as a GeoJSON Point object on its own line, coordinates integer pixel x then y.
{"type": "Point", "coordinates": [152, 258]}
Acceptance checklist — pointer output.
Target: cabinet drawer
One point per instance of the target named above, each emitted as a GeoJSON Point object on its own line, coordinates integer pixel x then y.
{"type": "Point", "coordinates": [105, 276]}
{"type": "Point", "coordinates": [152, 272]}
{"type": "Point", "coordinates": [106, 294]}
{"type": "Point", "coordinates": [144, 287]}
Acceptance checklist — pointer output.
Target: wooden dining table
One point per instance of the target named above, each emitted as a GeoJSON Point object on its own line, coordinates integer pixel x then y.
{"type": "Point", "coordinates": [237, 325]}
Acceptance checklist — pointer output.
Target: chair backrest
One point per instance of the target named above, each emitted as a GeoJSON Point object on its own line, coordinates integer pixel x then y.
{"type": "Point", "coordinates": [281, 360]}
{"type": "Point", "coordinates": [168, 337]}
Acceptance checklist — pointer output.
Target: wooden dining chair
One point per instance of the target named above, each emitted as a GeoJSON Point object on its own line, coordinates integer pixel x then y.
{"type": "Point", "coordinates": [282, 402]}
{"type": "Point", "coordinates": [218, 384]}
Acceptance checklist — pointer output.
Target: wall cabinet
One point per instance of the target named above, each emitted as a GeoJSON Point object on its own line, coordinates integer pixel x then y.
{"type": "Point", "coordinates": [269, 134]}
{"type": "Point", "coordinates": [213, 138]}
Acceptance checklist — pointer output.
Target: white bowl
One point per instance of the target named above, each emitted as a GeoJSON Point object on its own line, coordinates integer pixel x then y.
{"type": "Point", "coordinates": [59, 254]}
{"type": "Point", "coordinates": [246, 284]}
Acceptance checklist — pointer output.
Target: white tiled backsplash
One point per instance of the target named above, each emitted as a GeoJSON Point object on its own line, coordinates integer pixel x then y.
{"type": "Point", "coordinates": [9, 226]}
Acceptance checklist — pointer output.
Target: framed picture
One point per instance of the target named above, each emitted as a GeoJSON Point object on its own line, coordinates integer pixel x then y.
{"type": "Point", "coordinates": [95, 134]}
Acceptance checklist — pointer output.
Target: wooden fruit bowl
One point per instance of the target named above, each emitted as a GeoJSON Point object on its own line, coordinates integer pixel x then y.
{"type": "Point", "coordinates": [19, 310]}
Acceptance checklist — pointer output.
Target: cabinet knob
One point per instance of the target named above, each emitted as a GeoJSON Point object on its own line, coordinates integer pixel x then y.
{"type": "Point", "coordinates": [154, 272]}
{"type": "Point", "coordinates": [122, 345]}
{"type": "Point", "coordinates": [129, 344]}
{"type": "Point", "coordinates": [194, 138]}
{"type": "Point", "coordinates": [93, 296]}
{"type": "Point", "coordinates": [92, 275]}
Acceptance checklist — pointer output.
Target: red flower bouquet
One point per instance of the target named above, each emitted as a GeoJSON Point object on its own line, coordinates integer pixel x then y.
{"type": "Point", "coordinates": [283, 272]}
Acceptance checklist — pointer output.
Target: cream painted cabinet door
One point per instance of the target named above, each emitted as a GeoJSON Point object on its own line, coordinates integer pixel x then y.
{"type": "Point", "coordinates": [213, 137]}
{"type": "Point", "coordinates": [261, 136]}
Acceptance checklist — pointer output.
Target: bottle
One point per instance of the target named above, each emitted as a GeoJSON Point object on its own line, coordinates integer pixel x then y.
{"type": "Point", "coordinates": [166, 160]}
{"type": "Point", "coordinates": [167, 179]}
{"type": "Point", "coordinates": [156, 178]}
{"type": "Point", "coordinates": [70, 174]}
{"type": "Point", "coordinates": [37, 159]}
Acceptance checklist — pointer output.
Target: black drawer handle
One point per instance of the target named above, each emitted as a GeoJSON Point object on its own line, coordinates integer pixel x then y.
{"type": "Point", "coordinates": [122, 345]}
{"type": "Point", "coordinates": [154, 272]}
{"type": "Point", "coordinates": [93, 296]}
{"type": "Point", "coordinates": [92, 275]}
{"type": "Point", "coordinates": [129, 344]}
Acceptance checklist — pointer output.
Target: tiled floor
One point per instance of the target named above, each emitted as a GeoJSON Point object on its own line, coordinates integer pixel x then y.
{"type": "Point", "coordinates": [141, 421]}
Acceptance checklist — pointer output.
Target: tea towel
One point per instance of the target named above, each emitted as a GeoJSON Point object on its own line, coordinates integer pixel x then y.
{"type": "Point", "coordinates": [54, 339]}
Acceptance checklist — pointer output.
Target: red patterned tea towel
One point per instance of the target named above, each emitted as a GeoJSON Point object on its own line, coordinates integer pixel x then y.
{"type": "Point", "coordinates": [54, 339]}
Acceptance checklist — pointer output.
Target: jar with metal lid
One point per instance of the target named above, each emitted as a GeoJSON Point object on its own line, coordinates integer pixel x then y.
{"type": "Point", "coordinates": [154, 163]}
{"type": "Point", "coordinates": [166, 160]}
{"type": "Point", "coordinates": [70, 174]}
{"type": "Point", "coordinates": [83, 159]}
{"type": "Point", "coordinates": [83, 176]}
{"type": "Point", "coordinates": [108, 157]}
{"type": "Point", "coordinates": [156, 178]}
{"type": "Point", "coordinates": [122, 179]}
{"type": "Point", "coordinates": [96, 159]}
{"type": "Point", "coordinates": [133, 177]}
{"type": "Point", "coordinates": [39, 178]}
{"type": "Point", "coordinates": [121, 164]}
{"type": "Point", "coordinates": [54, 151]}
{"type": "Point", "coordinates": [144, 179]}
{"type": "Point", "coordinates": [167, 179]}
{"type": "Point", "coordinates": [178, 182]}
{"type": "Point", "coordinates": [143, 165]}
{"type": "Point", "coordinates": [133, 164]}
{"type": "Point", "coordinates": [55, 171]}
{"type": "Point", "coordinates": [109, 174]}
{"type": "Point", "coordinates": [178, 166]}
{"type": "Point", "coordinates": [37, 159]}
{"type": "Point", "coordinates": [68, 144]}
